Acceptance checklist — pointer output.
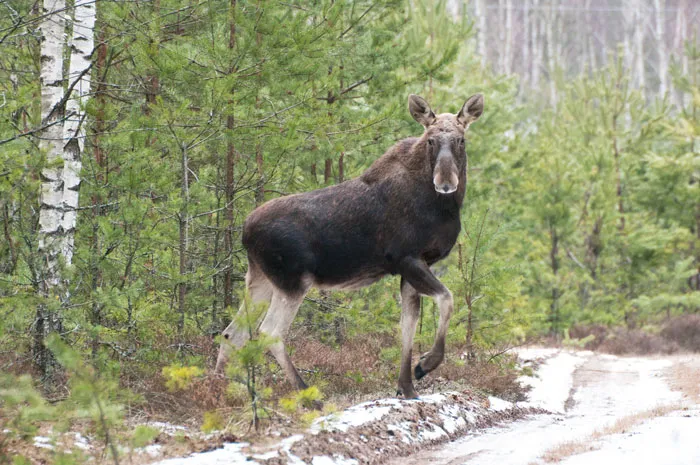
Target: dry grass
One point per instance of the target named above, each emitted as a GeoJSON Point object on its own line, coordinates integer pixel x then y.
{"type": "Point", "coordinates": [567, 449]}
{"type": "Point", "coordinates": [684, 376]}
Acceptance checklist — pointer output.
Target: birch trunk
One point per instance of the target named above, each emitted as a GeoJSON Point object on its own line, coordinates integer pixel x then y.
{"type": "Point", "coordinates": [679, 47]}
{"type": "Point", "coordinates": [526, 43]}
{"type": "Point", "coordinates": [551, 51]}
{"type": "Point", "coordinates": [507, 46]}
{"type": "Point", "coordinates": [501, 45]}
{"type": "Point", "coordinates": [660, 6]}
{"type": "Point", "coordinates": [628, 33]}
{"type": "Point", "coordinates": [481, 31]}
{"type": "Point", "coordinates": [52, 240]}
{"type": "Point", "coordinates": [589, 32]}
{"type": "Point", "coordinates": [639, 46]}
{"type": "Point", "coordinates": [63, 140]}
{"type": "Point", "coordinates": [536, 45]}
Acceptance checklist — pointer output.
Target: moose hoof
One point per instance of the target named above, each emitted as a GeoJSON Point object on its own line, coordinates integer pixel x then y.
{"type": "Point", "coordinates": [408, 393]}
{"type": "Point", "coordinates": [419, 372]}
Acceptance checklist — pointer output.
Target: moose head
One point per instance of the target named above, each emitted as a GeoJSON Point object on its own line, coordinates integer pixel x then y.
{"type": "Point", "coordinates": [444, 139]}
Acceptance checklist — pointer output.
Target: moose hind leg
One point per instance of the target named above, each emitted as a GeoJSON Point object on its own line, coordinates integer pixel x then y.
{"type": "Point", "coordinates": [410, 308]}
{"type": "Point", "coordinates": [235, 336]}
{"type": "Point", "coordinates": [418, 274]}
{"type": "Point", "coordinates": [283, 309]}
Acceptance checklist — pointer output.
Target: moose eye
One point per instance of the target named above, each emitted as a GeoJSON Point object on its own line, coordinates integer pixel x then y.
{"type": "Point", "coordinates": [431, 142]}
{"type": "Point", "coordinates": [461, 142]}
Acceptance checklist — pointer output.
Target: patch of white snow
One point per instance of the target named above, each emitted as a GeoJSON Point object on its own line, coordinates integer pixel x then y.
{"type": "Point", "coordinates": [230, 454]}
{"type": "Point", "coordinates": [43, 442]}
{"type": "Point", "coordinates": [499, 405]}
{"type": "Point", "coordinates": [553, 381]}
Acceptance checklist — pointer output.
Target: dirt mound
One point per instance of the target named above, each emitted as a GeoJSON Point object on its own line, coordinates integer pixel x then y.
{"type": "Point", "coordinates": [373, 432]}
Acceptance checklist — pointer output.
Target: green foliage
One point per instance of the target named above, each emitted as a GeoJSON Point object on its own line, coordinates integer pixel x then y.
{"type": "Point", "coordinates": [213, 421]}
{"type": "Point", "coordinates": [143, 435]}
{"type": "Point", "coordinates": [178, 378]}
{"type": "Point", "coordinates": [306, 398]}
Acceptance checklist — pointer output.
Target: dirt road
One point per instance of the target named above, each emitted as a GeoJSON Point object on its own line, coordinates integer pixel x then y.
{"type": "Point", "coordinates": [610, 410]}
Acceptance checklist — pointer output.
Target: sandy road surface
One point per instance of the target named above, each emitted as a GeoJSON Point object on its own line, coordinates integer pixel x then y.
{"type": "Point", "coordinates": [591, 393]}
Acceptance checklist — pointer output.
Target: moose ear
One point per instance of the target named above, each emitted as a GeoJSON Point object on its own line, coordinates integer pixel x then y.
{"type": "Point", "coordinates": [420, 110]}
{"type": "Point", "coordinates": [471, 110]}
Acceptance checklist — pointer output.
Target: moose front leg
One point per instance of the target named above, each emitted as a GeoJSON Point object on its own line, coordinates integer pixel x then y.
{"type": "Point", "coordinates": [419, 276]}
{"type": "Point", "coordinates": [431, 360]}
{"type": "Point", "coordinates": [410, 308]}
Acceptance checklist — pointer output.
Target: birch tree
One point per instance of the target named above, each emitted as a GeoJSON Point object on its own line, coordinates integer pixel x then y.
{"type": "Point", "coordinates": [480, 6]}
{"type": "Point", "coordinates": [62, 139]}
{"type": "Point", "coordinates": [660, 7]}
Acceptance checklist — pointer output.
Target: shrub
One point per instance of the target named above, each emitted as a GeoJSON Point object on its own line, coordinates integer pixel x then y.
{"type": "Point", "coordinates": [684, 331]}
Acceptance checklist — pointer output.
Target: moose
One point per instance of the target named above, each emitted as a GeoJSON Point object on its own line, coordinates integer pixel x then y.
{"type": "Point", "coordinates": [400, 216]}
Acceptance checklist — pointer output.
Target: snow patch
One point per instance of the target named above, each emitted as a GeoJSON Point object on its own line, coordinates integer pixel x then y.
{"type": "Point", "coordinates": [499, 405]}
{"type": "Point", "coordinates": [668, 440]}
{"type": "Point", "coordinates": [43, 442]}
{"type": "Point", "coordinates": [230, 454]}
{"type": "Point", "coordinates": [81, 442]}
{"type": "Point", "coordinates": [357, 415]}
{"type": "Point", "coordinates": [336, 460]}
{"type": "Point", "coordinates": [551, 386]}
{"type": "Point", "coordinates": [167, 428]}
{"type": "Point", "coordinates": [154, 450]}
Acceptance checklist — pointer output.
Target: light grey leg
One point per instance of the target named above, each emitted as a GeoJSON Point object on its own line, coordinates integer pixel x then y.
{"type": "Point", "coordinates": [410, 308]}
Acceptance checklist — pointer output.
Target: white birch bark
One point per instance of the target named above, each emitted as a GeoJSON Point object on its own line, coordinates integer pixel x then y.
{"type": "Point", "coordinates": [51, 142]}
{"type": "Point", "coordinates": [526, 42]}
{"type": "Point", "coordinates": [680, 38]}
{"type": "Point", "coordinates": [508, 45]}
{"type": "Point", "coordinates": [660, 7]}
{"type": "Point", "coordinates": [590, 34]}
{"type": "Point", "coordinates": [628, 32]}
{"type": "Point", "coordinates": [639, 72]}
{"type": "Point", "coordinates": [501, 45]}
{"type": "Point", "coordinates": [551, 51]}
{"type": "Point", "coordinates": [82, 44]}
{"type": "Point", "coordinates": [480, 11]}
{"type": "Point", "coordinates": [536, 45]}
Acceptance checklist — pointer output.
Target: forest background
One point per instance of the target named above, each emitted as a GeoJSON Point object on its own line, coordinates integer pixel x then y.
{"type": "Point", "coordinates": [136, 136]}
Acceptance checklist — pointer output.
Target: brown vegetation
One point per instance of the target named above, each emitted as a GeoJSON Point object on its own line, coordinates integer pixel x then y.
{"type": "Point", "coordinates": [678, 334]}
{"type": "Point", "coordinates": [622, 425]}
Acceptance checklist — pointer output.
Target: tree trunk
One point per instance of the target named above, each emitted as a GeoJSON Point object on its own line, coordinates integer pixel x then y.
{"type": "Point", "coordinates": [508, 45]}
{"type": "Point", "coordinates": [260, 187]}
{"type": "Point", "coordinates": [551, 52]}
{"type": "Point", "coordinates": [327, 172]}
{"type": "Point", "coordinates": [639, 46]}
{"type": "Point", "coordinates": [481, 17]}
{"type": "Point", "coordinates": [526, 44]}
{"type": "Point", "coordinates": [341, 167]}
{"type": "Point", "coordinates": [537, 49]}
{"type": "Point", "coordinates": [59, 188]}
{"type": "Point", "coordinates": [183, 243]}
{"type": "Point", "coordinates": [554, 259]}
{"type": "Point", "coordinates": [592, 63]}
{"type": "Point", "coordinates": [501, 44]}
{"type": "Point", "coordinates": [681, 36]}
{"type": "Point", "coordinates": [101, 171]}
{"type": "Point", "coordinates": [660, 6]}
{"type": "Point", "coordinates": [230, 160]}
